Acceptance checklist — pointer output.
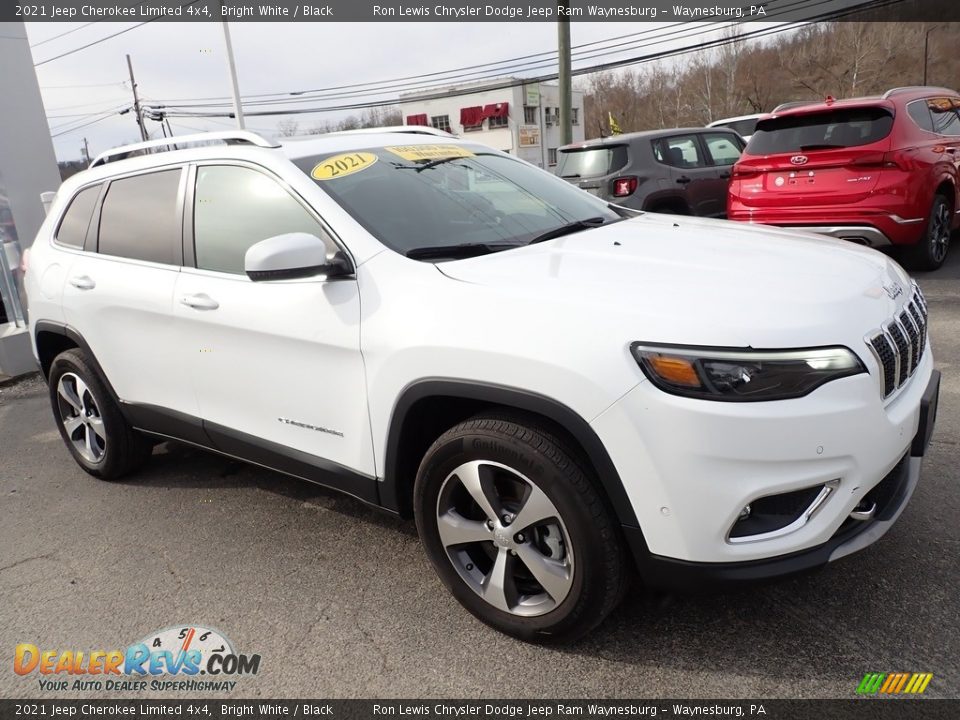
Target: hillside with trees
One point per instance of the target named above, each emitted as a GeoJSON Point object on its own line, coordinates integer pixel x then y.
{"type": "Point", "coordinates": [845, 59]}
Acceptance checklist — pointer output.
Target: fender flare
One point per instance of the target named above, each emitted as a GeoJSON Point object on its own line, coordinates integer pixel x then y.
{"type": "Point", "coordinates": [510, 397]}
{"type": "Point", "coordinates": [55, 328]}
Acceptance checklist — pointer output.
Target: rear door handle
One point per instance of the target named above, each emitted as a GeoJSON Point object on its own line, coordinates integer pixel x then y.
{"type": "Point", "coordinates": [83, 282]}
{"type": "Point", "coordinates": [725, 175]}
{"type": "Point", "coordinates": [684, 180]}
{"type": "Point", "coordinates": [200, 301]}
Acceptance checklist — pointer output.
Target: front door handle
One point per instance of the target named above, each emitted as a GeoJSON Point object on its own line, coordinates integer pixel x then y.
{"type": "Point", "coordinates": [200, 301]}
{"type": "Point", "coordinates": [683, 180]}
{"type": "Point", "coordinates": [83, 282]}
{"type": "Point", "coordinates": [725, 175]}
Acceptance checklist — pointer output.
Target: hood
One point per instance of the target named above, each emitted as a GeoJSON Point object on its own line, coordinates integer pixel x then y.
{"type": "Point", "coordinates": [700, 281]}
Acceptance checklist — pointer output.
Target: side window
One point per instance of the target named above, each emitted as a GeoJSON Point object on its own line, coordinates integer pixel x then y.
{"type": "Point", "coordinates": [723, 149]}
{"type": "Point", "coordinates": [236, 207]}
{"type": "Point", "coordinates": [944, 114]}
{"type": "Point", "coordinates": [920, 113]}
{"type": "Point", "coordinates": [139, 219]}
{"type": "Point", "coordinates": [681, 151]}
{"type": "Point", "coordinates": [73, 227]}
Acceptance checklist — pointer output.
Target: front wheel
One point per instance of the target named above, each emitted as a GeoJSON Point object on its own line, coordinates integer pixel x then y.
{"type": "Point", "coordinates": [517, 531]}
{"type": "Point", "coordinates": [931, 251]}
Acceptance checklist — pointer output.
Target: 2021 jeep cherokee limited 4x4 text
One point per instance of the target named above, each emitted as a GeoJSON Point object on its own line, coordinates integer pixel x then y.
{"type": "Point", "coordinates": [558, 390]}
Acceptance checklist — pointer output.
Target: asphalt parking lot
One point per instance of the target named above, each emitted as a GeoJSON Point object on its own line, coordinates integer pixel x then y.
{"type": "Point", "coordinates": [340, 601]}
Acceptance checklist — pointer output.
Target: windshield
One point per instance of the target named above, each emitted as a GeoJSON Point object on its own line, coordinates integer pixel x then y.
{"type": "Point", "coordinates": [593, 161]}
{"type": "Point", "coordinates": [841, 128]}
{"type": "Point", "coordinates": [428, 196]}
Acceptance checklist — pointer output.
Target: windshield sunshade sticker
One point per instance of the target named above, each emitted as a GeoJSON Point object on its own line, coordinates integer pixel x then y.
{"type": "Point", "coordinates": [340, 166]}
{"type": "Point", "coordinates": [413, 153]}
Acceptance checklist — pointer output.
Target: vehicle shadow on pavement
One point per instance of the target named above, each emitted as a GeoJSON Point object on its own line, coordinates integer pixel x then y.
{"type": "Point", "coordinates": [179, 465]}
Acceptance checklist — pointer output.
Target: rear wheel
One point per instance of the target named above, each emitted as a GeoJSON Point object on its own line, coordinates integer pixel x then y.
{"type": "Point", "coordinates": [931, 251]}
{"type": "Point", "coordinates": [517, 531]}
{"type": "Point", "coordinates": [90, 423]}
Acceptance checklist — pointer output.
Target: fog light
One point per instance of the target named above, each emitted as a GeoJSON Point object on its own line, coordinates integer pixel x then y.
{"type": "Point", "coordinates": [744, 514]}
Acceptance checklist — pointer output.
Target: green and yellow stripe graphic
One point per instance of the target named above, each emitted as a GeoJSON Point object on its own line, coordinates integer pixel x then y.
{"type": "Point", "coordinates": [894, 683]}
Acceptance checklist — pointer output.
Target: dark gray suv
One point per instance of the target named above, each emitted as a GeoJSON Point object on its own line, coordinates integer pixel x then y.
{"type": "Point", "coordinates": [680, 170]}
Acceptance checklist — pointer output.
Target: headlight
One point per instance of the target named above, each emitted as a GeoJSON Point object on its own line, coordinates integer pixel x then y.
{"type": "Point", "coordinates": [743, 375]}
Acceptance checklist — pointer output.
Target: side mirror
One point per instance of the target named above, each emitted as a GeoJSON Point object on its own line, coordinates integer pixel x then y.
{"type": "Point", "coordinates": [294, 255]}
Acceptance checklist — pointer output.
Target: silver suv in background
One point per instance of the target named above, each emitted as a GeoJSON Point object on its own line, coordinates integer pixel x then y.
{"type": "Point", "coordinates": [684, 171]}
{"type": "Point", "coordinates": [745, 125]}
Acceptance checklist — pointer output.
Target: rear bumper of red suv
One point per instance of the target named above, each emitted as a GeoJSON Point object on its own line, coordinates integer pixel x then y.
{"type": "Point", "coordinates": [876, 228]}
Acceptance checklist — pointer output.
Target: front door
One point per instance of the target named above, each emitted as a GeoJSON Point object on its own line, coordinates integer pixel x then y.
{"type": "Point", "coordinates": [275, 365]}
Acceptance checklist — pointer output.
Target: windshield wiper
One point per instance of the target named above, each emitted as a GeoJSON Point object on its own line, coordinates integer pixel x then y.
{"type": "Point", "coordinates": [570, 177]}
{"type": "Point", "coordinates": [575, 226]}
{"type": "Point", "coordinates": [822, 146]}
{"type": "Point", "coordinates": [464, 250]}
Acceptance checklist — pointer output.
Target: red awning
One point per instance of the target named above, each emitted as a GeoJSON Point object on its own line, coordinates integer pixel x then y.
{"type": "Point", "coordinates": [499, 110]}
{"type": "Point", "coordinates": [471, 116]}
{"type": "Point", "coordinates": [417, 119]}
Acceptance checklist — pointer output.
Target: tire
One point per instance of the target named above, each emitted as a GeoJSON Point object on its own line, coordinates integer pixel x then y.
{"type": "Point", "coordinates": [544, 561]}
{"type": "Point", "coordinates": [89, 420]}
{"type": "Point", "coordinates": [931, 250]}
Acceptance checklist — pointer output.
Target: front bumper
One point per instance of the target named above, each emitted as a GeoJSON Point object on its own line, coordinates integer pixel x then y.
{"type": "Point", "coordinates": [690, 466]}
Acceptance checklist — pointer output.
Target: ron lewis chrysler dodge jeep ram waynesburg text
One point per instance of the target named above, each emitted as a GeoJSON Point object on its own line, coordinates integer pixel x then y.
{"type": "Point", "coordinates": [558, 389]}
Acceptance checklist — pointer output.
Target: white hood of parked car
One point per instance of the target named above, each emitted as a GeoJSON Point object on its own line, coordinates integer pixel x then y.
{"type": "Point", "coordinates": [693, 278]}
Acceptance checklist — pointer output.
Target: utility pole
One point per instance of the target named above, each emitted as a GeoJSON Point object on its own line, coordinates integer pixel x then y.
{"type": "Point", "coordinates": [566, 91]}
{"type": "Point", "coordinates": [86, 151]}
{"type": "Point", "coordinates": [232, 68]}
{"type": "Point", "coordinates": [136, 101]}
{"type": "Point", "coordinates": [926, 48]}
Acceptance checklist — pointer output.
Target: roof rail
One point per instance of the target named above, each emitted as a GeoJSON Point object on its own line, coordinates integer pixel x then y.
{"type": "Point", "coordinates": [408, 129]}
{"type": "Point", "coordinates": [230, 137]}
{"type": "Point", "coordinates": [795, 104]}
{"type": "Point", "coordinates": [915, 88]}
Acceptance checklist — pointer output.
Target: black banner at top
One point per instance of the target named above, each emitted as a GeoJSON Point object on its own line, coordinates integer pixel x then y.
{"type": "Point", "coordinates": [480, 10]}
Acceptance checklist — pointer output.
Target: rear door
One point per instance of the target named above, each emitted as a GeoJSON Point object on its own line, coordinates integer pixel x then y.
{"type": "Point", "coordinates": [830, 157]}
{"type": "Point", "coordinates": [119, 290]}
{"type": "Point", "coordinates": [694, 177]}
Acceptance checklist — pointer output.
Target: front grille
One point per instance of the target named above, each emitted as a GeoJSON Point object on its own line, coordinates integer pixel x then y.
{"type": "Point", "coordinates": [898, 346]}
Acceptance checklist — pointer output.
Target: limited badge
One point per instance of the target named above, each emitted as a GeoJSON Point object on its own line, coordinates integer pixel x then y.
{"type": "Point", "coordinates": [429, 152]}
{"type": "Point", "coordinates": [339, 166]}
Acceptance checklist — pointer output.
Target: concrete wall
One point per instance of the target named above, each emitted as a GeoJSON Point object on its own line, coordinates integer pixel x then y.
{"type": "Point", "coordinates": [28, 167]}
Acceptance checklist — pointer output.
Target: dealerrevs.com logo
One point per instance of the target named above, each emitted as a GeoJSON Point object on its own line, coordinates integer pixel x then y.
{"type": "Point", "coordinates": [189, 658]}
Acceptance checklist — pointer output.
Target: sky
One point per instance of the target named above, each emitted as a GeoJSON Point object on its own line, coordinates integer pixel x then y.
{"type": "Point", "coordinates": [187, 60]}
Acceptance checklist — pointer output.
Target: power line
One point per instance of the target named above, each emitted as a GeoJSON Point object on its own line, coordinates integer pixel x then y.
{"type": "Point", "coordinates": [108, 37]}
{"type": "Point", "coordinates": [63, 34]}
{"type": "Point", "coordinates": [391, 86]}
{"type": "Point", "coordinates": [830, 15]}
{"type": "Point", "coordinates": [86, 124]}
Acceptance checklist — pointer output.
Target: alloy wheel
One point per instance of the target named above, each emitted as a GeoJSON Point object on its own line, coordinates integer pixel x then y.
{"type": "Point", "coordinates": [81, 417]}
{"type": "Point", "coordinates": [940, 232]}
{"type": "Point", "coordinates": [505, 538]}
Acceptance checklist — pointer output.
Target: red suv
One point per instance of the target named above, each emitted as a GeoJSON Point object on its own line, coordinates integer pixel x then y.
{"type": "Point", "coordinates": [880, 171]}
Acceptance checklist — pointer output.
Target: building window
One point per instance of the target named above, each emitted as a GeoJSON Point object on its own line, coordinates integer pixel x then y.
{"type": "Point", "coordinates": [574, 116]}
{"type": "Point", "coordinates": [551, 156]}
{"type": "Point", "coordinates": [529, 115]}
{"type": "Point", "coordinates": [440, 122]}
{"type": "Point", "coordinates": [498, 122]}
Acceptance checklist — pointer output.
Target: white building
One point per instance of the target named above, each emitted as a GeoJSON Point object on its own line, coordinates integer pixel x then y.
{"type": "Point", "coordinates": [522, 120]}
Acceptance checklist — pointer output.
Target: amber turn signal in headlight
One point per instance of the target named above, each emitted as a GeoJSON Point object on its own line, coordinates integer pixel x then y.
{"type": "Point", "coordinates": [743, 375]}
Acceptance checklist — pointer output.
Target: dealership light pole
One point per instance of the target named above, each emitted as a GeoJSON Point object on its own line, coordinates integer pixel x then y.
{"type": "Point", "coordinates": [232, 68]}
{"type": "Point", "coordinates": [926, 47]}
{"type": "Point", "coordinates": [566, 92]}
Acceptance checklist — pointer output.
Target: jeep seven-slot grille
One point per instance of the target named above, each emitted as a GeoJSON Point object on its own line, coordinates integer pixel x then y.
{"type": "Point", "coordinates": [899, 344]}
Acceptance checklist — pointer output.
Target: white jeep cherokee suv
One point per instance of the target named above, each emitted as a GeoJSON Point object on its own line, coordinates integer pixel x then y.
{"type": "Point", "coordinates": [557, 389]}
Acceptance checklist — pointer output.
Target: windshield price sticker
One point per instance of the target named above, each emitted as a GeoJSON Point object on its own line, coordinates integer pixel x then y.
{"type": "Point", "coordinates": [341, 165]}
{"type": "Point", "coordinates": [429, 152]}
